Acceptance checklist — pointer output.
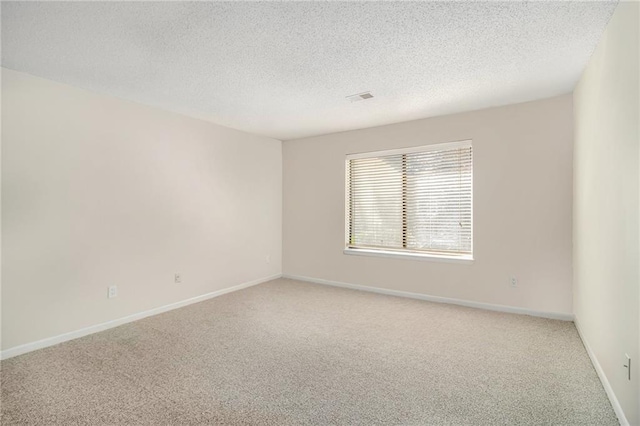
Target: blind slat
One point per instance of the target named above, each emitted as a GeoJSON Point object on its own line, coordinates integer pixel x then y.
{"type": "Point", "coordinates": [419, 201]}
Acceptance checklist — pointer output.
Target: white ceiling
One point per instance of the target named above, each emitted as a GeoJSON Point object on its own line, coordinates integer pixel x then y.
{"type": "Point", "coordinates": [284, 69]}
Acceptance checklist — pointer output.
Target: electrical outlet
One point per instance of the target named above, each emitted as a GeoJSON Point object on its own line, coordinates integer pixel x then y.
{"type": "Point", "coordinates": [513, 281]}
{"type": "Point", "coordinates": [177, 278]}
{"type": "Point", "coordinates": [268, 259]}
{"type": "Point", "coordinates": [112, 292]}
{"type": "Point", "coordinates": [628, 366]}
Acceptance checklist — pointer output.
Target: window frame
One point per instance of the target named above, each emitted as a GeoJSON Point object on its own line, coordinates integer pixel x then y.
{"type": "Point", "coordinates": [405, 253]}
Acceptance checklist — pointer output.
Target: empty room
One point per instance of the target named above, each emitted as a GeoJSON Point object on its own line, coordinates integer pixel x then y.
{"type": "Point", "coordinates": [320, 213]}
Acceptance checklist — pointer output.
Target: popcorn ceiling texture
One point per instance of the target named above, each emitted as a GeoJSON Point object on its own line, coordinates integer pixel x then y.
{"type": "Point", "coordinates": [283, 69]}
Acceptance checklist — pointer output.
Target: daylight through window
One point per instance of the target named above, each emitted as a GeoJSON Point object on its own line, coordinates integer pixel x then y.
{"type": "Point", "coordinates": [416, 200]}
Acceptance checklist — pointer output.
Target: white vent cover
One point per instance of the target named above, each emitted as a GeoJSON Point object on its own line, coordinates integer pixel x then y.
{"type": "Point", "coordinates": [360, 97]}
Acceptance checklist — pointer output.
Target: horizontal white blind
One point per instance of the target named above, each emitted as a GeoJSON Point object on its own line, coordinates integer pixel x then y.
{"type": "Point", "coordinates": [418, 201]}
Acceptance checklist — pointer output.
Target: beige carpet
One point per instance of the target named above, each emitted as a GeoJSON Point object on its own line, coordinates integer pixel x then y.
{"type": "Point", "coordinates": [287, 352]}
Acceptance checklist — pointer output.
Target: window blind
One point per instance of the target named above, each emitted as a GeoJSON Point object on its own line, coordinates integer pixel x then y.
{"type": "Point", "coordinates": [416, 200]}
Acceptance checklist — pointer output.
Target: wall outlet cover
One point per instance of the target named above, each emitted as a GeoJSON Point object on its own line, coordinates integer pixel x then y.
{"type": "Point", "coordinates": [112, 292]}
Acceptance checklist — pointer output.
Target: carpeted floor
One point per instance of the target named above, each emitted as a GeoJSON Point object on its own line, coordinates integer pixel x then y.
{"type": "Point", "coordinates": [287, 352]}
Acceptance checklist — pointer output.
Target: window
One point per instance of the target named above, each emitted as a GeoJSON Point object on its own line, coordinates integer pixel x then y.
{"type": "Point", "coordinates": [415, 201]}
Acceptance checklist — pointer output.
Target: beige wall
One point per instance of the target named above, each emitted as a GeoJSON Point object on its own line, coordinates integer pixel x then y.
{"type": "Point", "coordinates": [0, 211]}
{"type": "Point", "coordinates": [98, 191]}
{"type": "Point", "coordinates": [606, 214]}
{"type": "Point", "coordinates": [522, 207]}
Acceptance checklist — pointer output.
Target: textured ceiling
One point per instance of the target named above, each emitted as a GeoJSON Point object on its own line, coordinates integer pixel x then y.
{"type": "Point", "coordinates": [284, 69]}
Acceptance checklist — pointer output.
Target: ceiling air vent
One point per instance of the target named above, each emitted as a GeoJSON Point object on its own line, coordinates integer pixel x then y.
{"type": "Point", "coordinates": [360, 97]}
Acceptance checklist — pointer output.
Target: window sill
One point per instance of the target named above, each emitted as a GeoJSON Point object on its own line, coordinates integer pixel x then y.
{"type": "Point", "coordinates": [408, 255]}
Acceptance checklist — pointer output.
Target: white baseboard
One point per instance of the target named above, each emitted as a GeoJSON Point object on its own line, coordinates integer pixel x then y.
{"type": "Point", "coordinates": [437, 299]}
{"type": "Point", "coordinates": [29, 347]}
{"type": "Point", "coordinates": [603, 377]}
{"type": "Point", "coordinates": [50, 341]}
